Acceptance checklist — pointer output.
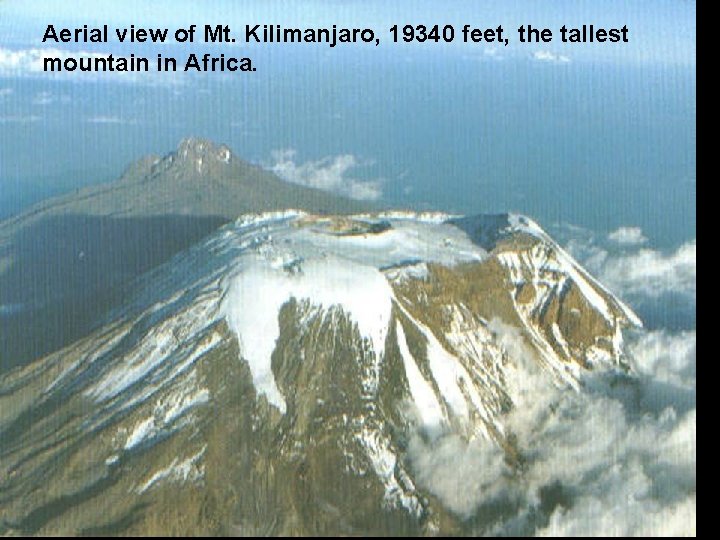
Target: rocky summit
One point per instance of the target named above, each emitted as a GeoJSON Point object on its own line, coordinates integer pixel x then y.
{"type": "Point", "coordinates": [268, 379]}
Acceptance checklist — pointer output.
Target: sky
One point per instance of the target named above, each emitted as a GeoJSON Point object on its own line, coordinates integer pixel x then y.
{"type": "Point", "coordinates": [461, 127]}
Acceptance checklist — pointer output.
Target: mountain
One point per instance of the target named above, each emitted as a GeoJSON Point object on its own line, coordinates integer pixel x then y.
{"type": "Point", "coordinates": [199, 178]}
{"type": "Point", "coordinates": [271, 378]}
{"type": "Point", "coordinates": [65, 262]}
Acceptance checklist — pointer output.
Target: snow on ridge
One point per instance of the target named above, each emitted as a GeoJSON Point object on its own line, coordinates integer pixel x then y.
{"type": "Point", "coordinates": [405, 242]}
{"type": "Point", "coordinates": [453, 380]}
{"type": "Point", "coordinates": [423, 395]}
{"type": "Point", "coordinates": [261, 218]}
{"type": "Point", "coordinates": [399, 488]}
{"type": "Point", "coordinates": [521, 222]}
{"type": "Point", "coordinates": [160, 344]}
{"type": "Point", "coordinates": [344, 270]}
{"type": "Point", "coordinates": [590, 287]}
{"type": "Point", "coordinates": [169, 411]}
{"type": "Point", "coordinates": [180, 471]}
{"type": "Point", "coordinates": [410, 215]}
{"type": "Point", "coordinates": [276, 216]}
{"type": "Point", "coordinates": [140, 432]}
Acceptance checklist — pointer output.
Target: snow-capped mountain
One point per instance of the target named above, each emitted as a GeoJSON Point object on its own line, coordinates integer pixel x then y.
{"type": "Point", "coordinates": [267, 380]}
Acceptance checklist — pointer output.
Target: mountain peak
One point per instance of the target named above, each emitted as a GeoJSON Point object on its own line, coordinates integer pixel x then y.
{"type": "Point", "coordinates": [195, 157]}
{"type": "Point", "coordinates": [199, 156]}
{"type": "Point", "coordinates": [194, 148]}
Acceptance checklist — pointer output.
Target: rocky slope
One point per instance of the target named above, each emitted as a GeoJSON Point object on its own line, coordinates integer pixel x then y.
{"type": "Point", "coordinates": [267, 381]}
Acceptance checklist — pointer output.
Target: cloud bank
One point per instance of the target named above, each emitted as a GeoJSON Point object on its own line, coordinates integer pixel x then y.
{"type": "Point", "coordinates": [329, 174]}
{"type": "Point", "coordinates": [641, 271]}
{"type": "Point", "coordinates": [618, 458]}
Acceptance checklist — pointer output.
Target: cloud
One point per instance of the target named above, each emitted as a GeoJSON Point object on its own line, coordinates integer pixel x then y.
{"type": "Point", "coordinates": [627, 266]}
{"type": "Point", "coordinates": [329, 174]}
{"type": "Point", "coordinates": [547, 56]}
{"type": "Point", "coordinates": [648, 272]}
{"type": "Point", "coordinates": [458, 472]}
{"type": "Point", "coordinates": [666, 362]}
{"type": "Point", "coordinates": [43, 99]}
{"type": "Point", "coordinates": [490, 53]}
{"type": "Point", "coordinates": [666, 357]}
{"type": "Point", "coordinates": [111, 120]}
{"type": "Point", "coordinates": [29, 62]}
{"type": "Point", "coordinates": [628, 236]}
{"type": "Point", "coordinates": [605, 460]}
{"type": "Point", "coordinates": [5, 92]}
{"type": "Point", "coordinates": [19, 119]}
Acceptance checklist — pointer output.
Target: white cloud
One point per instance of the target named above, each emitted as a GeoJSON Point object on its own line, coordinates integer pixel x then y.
{"type": "Point", "coordinates": [459, 473]}
{"type": "Point", "coordinates": [629, 268]}
{"type": "Point", "coordinates": [484, 55]}
{"type": "Point", "coordinates": [602, 461]}
{"type": "Point", "coordinates": [667, 357]}
{"type": "Point", "coordinates": [547, 56]}
{"type": "Point", "coordinates": [113, 120]}
{"type": "Point", "coordinates": [27, 61]}
{"type": "Point", "coordinates": [30, 63]}
{"type": "Point", "coordinates": [626, 477]}
{"type": "Point", "coordinates": [329, 174]}
{"type": "Point", "coordinates": [5, 92]}
{"type": "Point", "coordinates": [628, 236]}
{"type": "Point", "coordinates": [648, 272]}
{"type": "Point", "coordinates": [19, 119]}
{"type": "Point", "coordinates": [43, 99]}
{"type": "Point", "coordinates": [666, 364]}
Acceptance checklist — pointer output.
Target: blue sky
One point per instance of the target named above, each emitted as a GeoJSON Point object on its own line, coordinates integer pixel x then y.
{"type": "Point", "coordinates": [602, 136]}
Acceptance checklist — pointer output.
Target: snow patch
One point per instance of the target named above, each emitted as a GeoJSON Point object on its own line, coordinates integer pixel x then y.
{"type": "Point", "coordinates": [141, 432]}
{"type": "Point", "coordinates": [258, 292]}
{"type": "Point", "coordinates": [422, 392]}
{"type": "Point", "coordinates": [179, 471]}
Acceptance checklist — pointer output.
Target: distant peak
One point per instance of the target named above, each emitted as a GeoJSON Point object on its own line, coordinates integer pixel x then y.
{"type": "Point", "coordinates": [194, 148]}
{"type": "Point", "coordinates": [195, 157]}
